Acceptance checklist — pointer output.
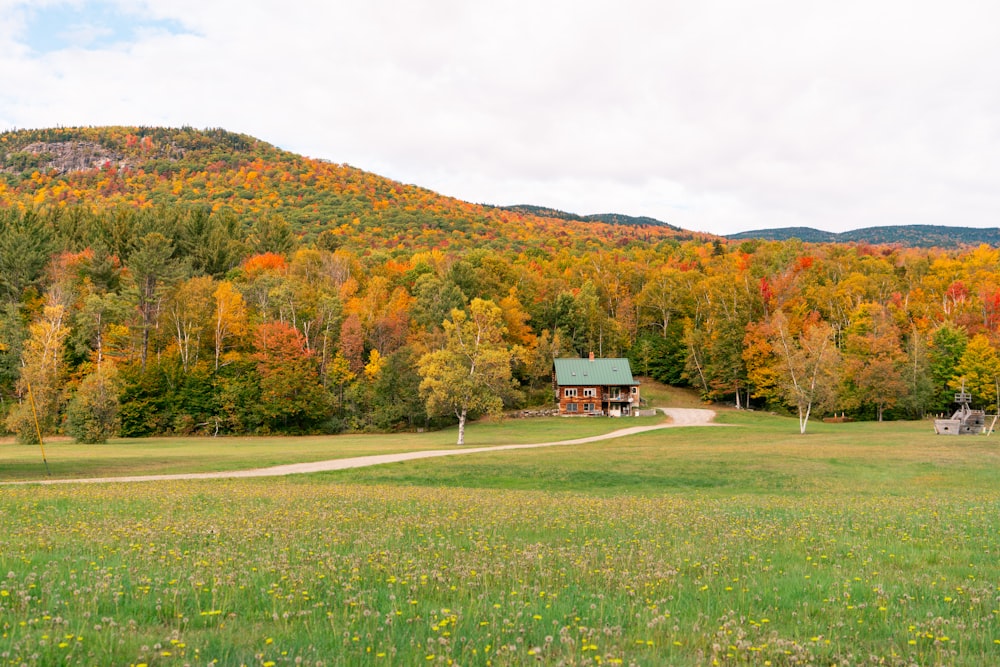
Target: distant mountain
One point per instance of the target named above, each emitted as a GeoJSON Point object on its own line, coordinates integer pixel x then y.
{"type": "Point", "coordinates": [807, 234]}
{"type": "Point", "coordinates": [914, 236]}
{"type": "Point", "coordinates": [609, 218]}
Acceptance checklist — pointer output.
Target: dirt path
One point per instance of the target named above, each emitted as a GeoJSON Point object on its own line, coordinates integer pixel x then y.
{"type": "Point", "coordinates": [678, 416]}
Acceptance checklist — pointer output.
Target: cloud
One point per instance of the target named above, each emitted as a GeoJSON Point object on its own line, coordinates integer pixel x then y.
{"type": "Point", "coordinates": [718, 116]}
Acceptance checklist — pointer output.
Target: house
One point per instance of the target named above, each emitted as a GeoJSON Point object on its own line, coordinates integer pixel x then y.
{"type": "Point", "coordinates": [595, 387]}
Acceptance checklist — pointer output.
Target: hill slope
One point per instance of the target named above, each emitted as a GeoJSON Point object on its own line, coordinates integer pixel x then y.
{"type": "Point", "coordinates": [147, 167]}
{"type": "Point", "coordinates": [102, 168]}
{"type": "Point", "coordinates": [914, 236]}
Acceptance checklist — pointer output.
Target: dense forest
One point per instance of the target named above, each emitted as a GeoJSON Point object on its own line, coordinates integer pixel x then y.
{"type": "Point", "coordinates": [169, 281]}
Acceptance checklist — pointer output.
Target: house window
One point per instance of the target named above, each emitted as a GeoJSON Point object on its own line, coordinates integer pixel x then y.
{"type": "Point", "coordinates": [588, 407]}
{"type": "Point", "coordinates": [569, 393]}
{"type": "Point", "coordinates": [625, 410]}
{"type": "Point", "coordinates": [571, 407]}
{"type": "Point", "coordinates": [615, 393]}
{"type": "Point", "coordinates": [635, 390]}
{"type": "Point", "coordinates": [589, 393]}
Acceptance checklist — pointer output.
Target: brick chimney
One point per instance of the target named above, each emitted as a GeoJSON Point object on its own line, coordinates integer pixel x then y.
{"type": "Point", "coordinates": [591, 356]}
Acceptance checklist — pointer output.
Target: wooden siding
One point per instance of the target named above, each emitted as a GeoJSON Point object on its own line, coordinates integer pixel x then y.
{"type": "Point", "coordinates": [602, 399]}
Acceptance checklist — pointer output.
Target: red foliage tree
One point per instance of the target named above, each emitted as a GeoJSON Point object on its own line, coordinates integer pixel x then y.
{"type": "Point", "coordinates": [292, 397]}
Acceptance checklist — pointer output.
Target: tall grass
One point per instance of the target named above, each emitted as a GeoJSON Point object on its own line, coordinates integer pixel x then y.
{"type": "Point", "coordinates": [737, 545]}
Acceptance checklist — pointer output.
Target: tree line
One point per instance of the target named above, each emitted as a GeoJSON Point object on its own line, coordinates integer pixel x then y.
{"type": "Point", "coordinates": [183, 319]}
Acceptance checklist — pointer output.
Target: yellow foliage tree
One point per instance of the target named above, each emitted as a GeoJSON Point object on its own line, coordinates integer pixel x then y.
{"type": "Point", "coordinates": [42, 374]}
{"type": "Point", "coordinates": [472, 372]}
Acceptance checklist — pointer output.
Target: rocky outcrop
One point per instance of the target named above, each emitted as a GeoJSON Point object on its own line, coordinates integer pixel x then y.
{"type": "Point", "coordinates": [68, 156]}
{"type": "Point", "coordinates": [61, 156]}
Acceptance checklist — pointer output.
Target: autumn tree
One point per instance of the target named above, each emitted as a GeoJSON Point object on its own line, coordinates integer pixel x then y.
{"type": "Point", "coordinates": [978, 371]}
{"type": "Point", "coordinates": [661, 298]}
{"type": "Point", "coordinates": [472, 373]}
{"type": "Point", "coordinates": [807, 371]}
{"type": "Point", "coordinates": [695, 361]}
{"type": "Point", "coordinates": [99, 316]}
{"type": "Point", "coordinates": [919, 395]}
{"type": "Point", "coordinates": [396, 399]}
{"type": "Point", "coordinates": [92, 414]}
{"type": "Point", "coordinates": [189, 313]}
{"type": "Point", "coordinates": [723, 307]}
{"type": "Point", "coordinates": [873, 361]}
{"type": "Point", "coordinates": [764, 369]}
{"type": "Point", "coordinates": [361, 394]}
{"type": "Point", "coordinates": [42, 373]}
{"type": "Point", "coordinates": [593, 318]}
{"type": "Point", "coordinates": [549, 346]}
{"type": "Point", "coordinates": [338, 376]}
{"type": "Point", "coordinates": [434, 299]}
{"type": "Point", "coordinates": [352, 343]}
{"type": "Point", "coordinates": [229, 320]}
{"type": "Point", "coordinates": [291, 397]}
{"type": "Point", "coordinates": [309, 299]}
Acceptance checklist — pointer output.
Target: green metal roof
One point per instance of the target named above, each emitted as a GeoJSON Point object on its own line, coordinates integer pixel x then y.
{"type": "Point", "coordinates": [570, 372]}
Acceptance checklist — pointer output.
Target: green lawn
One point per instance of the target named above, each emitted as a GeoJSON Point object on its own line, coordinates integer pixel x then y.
{"type": "Point", "coordinates": [180, 455]}
{"type": "Point", "coordinates": [756, 453]}
{"type": "Point", "coordinates": [739, 545]}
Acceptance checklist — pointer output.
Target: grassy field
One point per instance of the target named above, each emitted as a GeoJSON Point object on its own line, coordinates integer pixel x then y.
{"type": "Point", "coordinates": [149, 456]}
{"type": "Point", "coordinates": [755, 453]}
{"type": "Point", "coordinates": [746, 544]}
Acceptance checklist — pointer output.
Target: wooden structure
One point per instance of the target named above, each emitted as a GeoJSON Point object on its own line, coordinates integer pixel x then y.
{"type": "Point", "coordinates": [595, 387]}
{"type": "Point", "coordinates": [965, 421]}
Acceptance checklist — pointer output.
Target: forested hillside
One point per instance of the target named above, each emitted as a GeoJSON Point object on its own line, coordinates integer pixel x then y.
{"type": "Point", "coordinates": [180, 281]}
{"type": "Point", "coordinates": [142, 169]}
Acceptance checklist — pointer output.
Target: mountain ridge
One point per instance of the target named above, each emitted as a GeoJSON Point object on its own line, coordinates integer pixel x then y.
{"type": "Point", "coordinates": [610, 218]}
{"type": "Point", "coordinates": [914, 236]}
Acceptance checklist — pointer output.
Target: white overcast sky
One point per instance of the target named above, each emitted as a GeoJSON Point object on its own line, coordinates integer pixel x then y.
{"type": "Point", "coordinates": [714, 115]}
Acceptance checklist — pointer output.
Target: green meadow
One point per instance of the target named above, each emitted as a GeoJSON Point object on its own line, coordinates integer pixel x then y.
{"type": "Point", "coordinates": [743, 544]}
{"type": "Point", "coordinates": [153, 456]}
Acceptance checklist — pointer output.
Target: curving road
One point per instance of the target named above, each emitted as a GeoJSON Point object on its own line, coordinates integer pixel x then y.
{"type": "Point", "coordinates": [678, 416]}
